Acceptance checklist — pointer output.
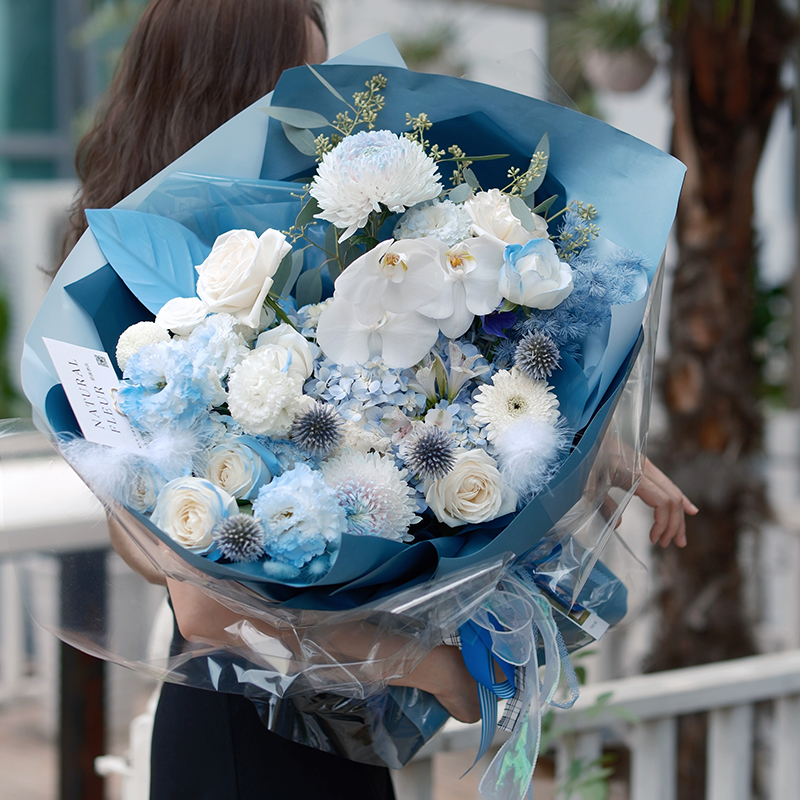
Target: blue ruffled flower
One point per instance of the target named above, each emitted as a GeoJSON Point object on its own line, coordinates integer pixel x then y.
{"type": "Point", "coordinates": [301, 516]}
{"type": "Point", "coordinates": [166, 386]}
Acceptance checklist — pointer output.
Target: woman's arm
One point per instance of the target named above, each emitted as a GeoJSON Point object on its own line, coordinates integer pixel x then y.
{"type": "Point", "coordinates": [442, 672]}
{"type": "Point", "coordinates": [127, 550]}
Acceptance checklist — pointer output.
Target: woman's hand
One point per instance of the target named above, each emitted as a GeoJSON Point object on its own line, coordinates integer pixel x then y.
{"type": "Point", "coordinates": [443, 674]}
{"type": "Point", "coordinates": [669, 504]}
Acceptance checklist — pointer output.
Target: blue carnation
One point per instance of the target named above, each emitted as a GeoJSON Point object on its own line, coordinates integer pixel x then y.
{"type": "Point", "coordinates": [301, 516]}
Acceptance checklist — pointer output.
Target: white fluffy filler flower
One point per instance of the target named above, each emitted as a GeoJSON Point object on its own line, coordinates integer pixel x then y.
{"type": "Point", "coordinates": [446, 221]}
{"type": "Point", "coordinates": [133, 339]}
{"type": "Point", "coordinates": [263, 398]}
{"type": "Point", "coordinates": [370, 169]}
{"type": "Point", "coordinates": [529, 452]}
{"type": "Point", "coordinates": [511, 397]}
{"type": "Point", "coordinates": [374, 494]}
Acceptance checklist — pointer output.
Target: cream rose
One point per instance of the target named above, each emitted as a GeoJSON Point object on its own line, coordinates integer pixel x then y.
{"type": "Point", "coordinates": [533, 276]}
{"type": "Point", "coordinates": [237, 469]}
{"type": "Point", "coordinates": [296, 345]}
{"type": "Point", "coordinates": [237, 275]}
{"type": "Point", "coordinates": [182, 315]}
{"type": "Point", "coordinates": [187, 510]}
{"type": "Point", "coordinates": [491, 214]}
{"type": "Point", "coordinates": [472, 492]}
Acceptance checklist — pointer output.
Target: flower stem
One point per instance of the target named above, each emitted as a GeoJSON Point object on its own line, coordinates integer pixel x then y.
{"type": "Point", "coordinates": [279, 312]}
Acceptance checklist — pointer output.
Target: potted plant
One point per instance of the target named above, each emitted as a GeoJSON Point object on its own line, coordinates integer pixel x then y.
{"type": "Point", "coordinates": [608, 37]}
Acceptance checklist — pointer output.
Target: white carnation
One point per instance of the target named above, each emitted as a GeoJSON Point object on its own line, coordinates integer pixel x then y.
{"type": "Point", "coordinates": [133, 339]}
{"type": "Point", "coordinates": [370, 169]}
{"type": "Point", "coordinates": [263, 398]}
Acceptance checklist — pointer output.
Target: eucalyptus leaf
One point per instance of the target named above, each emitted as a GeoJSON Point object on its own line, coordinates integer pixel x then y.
{"type": "Point", "coordinates": [307, 212]}
{"type": "Point", "coordinates": [493, 157]}
{"type": "Point", "coordinates": [309, 288]}
{"type": "Point", "coordinates": [545, 205]}
{"type": "Point", "coordinates": [471, 179]}
{"type": "Point", "coordinates": [460, 193]}
{"type": "Point", "coordinates": [301, 138]}
{"type": "Point", "coordinates": [521, 211]}
{"type": "Point", "coordinates": [298, 256]}
{"type": "Point", "coordinates": [281, 275]}
{"type": "Point", "coordinates": [331, 237]}
{"type": "Point", "coordinates": [326, 84]}
{"type": "Point", "coordinates": [296, 117]}
{"type": "Point", "coordinates": [542, 147]}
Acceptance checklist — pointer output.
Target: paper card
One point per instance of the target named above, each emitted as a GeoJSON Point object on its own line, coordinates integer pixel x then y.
{"type": "Point", "coordinates": [90, 383]}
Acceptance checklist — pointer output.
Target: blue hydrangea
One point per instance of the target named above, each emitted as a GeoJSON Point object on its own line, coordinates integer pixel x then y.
{"type": "Point", "coordinates": [364, 392]}
{"type": "Point", "coordinates": [165, 386]}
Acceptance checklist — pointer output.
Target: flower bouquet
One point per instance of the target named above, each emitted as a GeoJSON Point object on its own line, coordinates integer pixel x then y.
{"type": "Point", "coordinates": [375, 390]}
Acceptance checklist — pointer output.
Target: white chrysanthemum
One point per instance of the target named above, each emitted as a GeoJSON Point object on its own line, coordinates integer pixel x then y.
{"type": "Point", "coordinates": [512, 397]}
{"type": "Point", "coordinates": [133, 339]}
{"type": "Point", "coordinates": [446, 221]}
{"type": "Point", "coordinates": [263, 398]}
{"type": "Point", "coordinates": [370, 169]}
{"type": "Point", "coordinates": [374, 494]}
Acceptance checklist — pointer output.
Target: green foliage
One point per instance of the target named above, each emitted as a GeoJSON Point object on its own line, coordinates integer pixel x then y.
{"type": "Point", "coordinates": [10, 401]}
{"type": "Point", "coordinates": [609, 26]}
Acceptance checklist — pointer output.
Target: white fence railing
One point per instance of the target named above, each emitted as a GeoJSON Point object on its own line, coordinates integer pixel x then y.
{"type": "Point", "coordinates": [726, 691]}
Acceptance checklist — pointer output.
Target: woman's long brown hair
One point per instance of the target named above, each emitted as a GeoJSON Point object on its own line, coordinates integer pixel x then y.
{"type": "Point", "coordinates": [188, 66]}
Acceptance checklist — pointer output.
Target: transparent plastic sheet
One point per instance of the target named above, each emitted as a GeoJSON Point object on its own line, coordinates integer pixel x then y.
{"type": "Point", "coordinates": [317, 657]}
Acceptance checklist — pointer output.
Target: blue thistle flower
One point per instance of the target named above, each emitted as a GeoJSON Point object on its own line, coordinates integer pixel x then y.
{"type": "Point", "coordinates": [536, 356]}
{"type": "Point", "coordinates": [431, 453]}
{"type": "Point", "coordinates": [318, 430]}
{"type": "Point", "coordinates": [240, 538]}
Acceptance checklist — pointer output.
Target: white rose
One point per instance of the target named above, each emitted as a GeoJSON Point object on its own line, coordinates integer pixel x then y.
{"type": "Point", "coordinates": [302, 351]}
{"type": "Point", "coordinates": [187, 510]}
{"type": "Point", "coordinates": [491, 214]}
{"type": "Point", "coordinates": [182, 315]}
{"type": "Point", "coordinates": [472, 492]}
{"type": "Point", "coordinates": [533, 276]}
{"type": "Point", "coordinates": [237, 468]}
{"type": "Point", "coordinates": [143, 489]}
{"type": "Point", "coordinates": [237, 275]}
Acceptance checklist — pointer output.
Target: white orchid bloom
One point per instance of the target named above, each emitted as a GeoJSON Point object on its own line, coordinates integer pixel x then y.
{"type": "Point", "coordinates": [471, 270]}
{"type": "Point", "coordinates": [395, 276]}
{"type": "Point", "coordinates": [401, 340]}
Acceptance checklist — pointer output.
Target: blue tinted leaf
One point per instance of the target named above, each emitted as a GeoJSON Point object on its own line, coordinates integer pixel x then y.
{"type": "Point", "coordinates": [154, 256]}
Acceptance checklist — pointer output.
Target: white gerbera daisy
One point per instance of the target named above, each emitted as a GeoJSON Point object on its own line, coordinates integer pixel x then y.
{"type": "Point", "coordinates": [374, 494]}
{"type": "Point", "coordinates": [512, 397]}
{"type": "Point", "coordinates": [369, 169]}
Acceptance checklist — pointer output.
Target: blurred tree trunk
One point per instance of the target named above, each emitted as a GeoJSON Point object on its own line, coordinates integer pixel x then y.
{"type": "Point", "coordinates": [726, 64]}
